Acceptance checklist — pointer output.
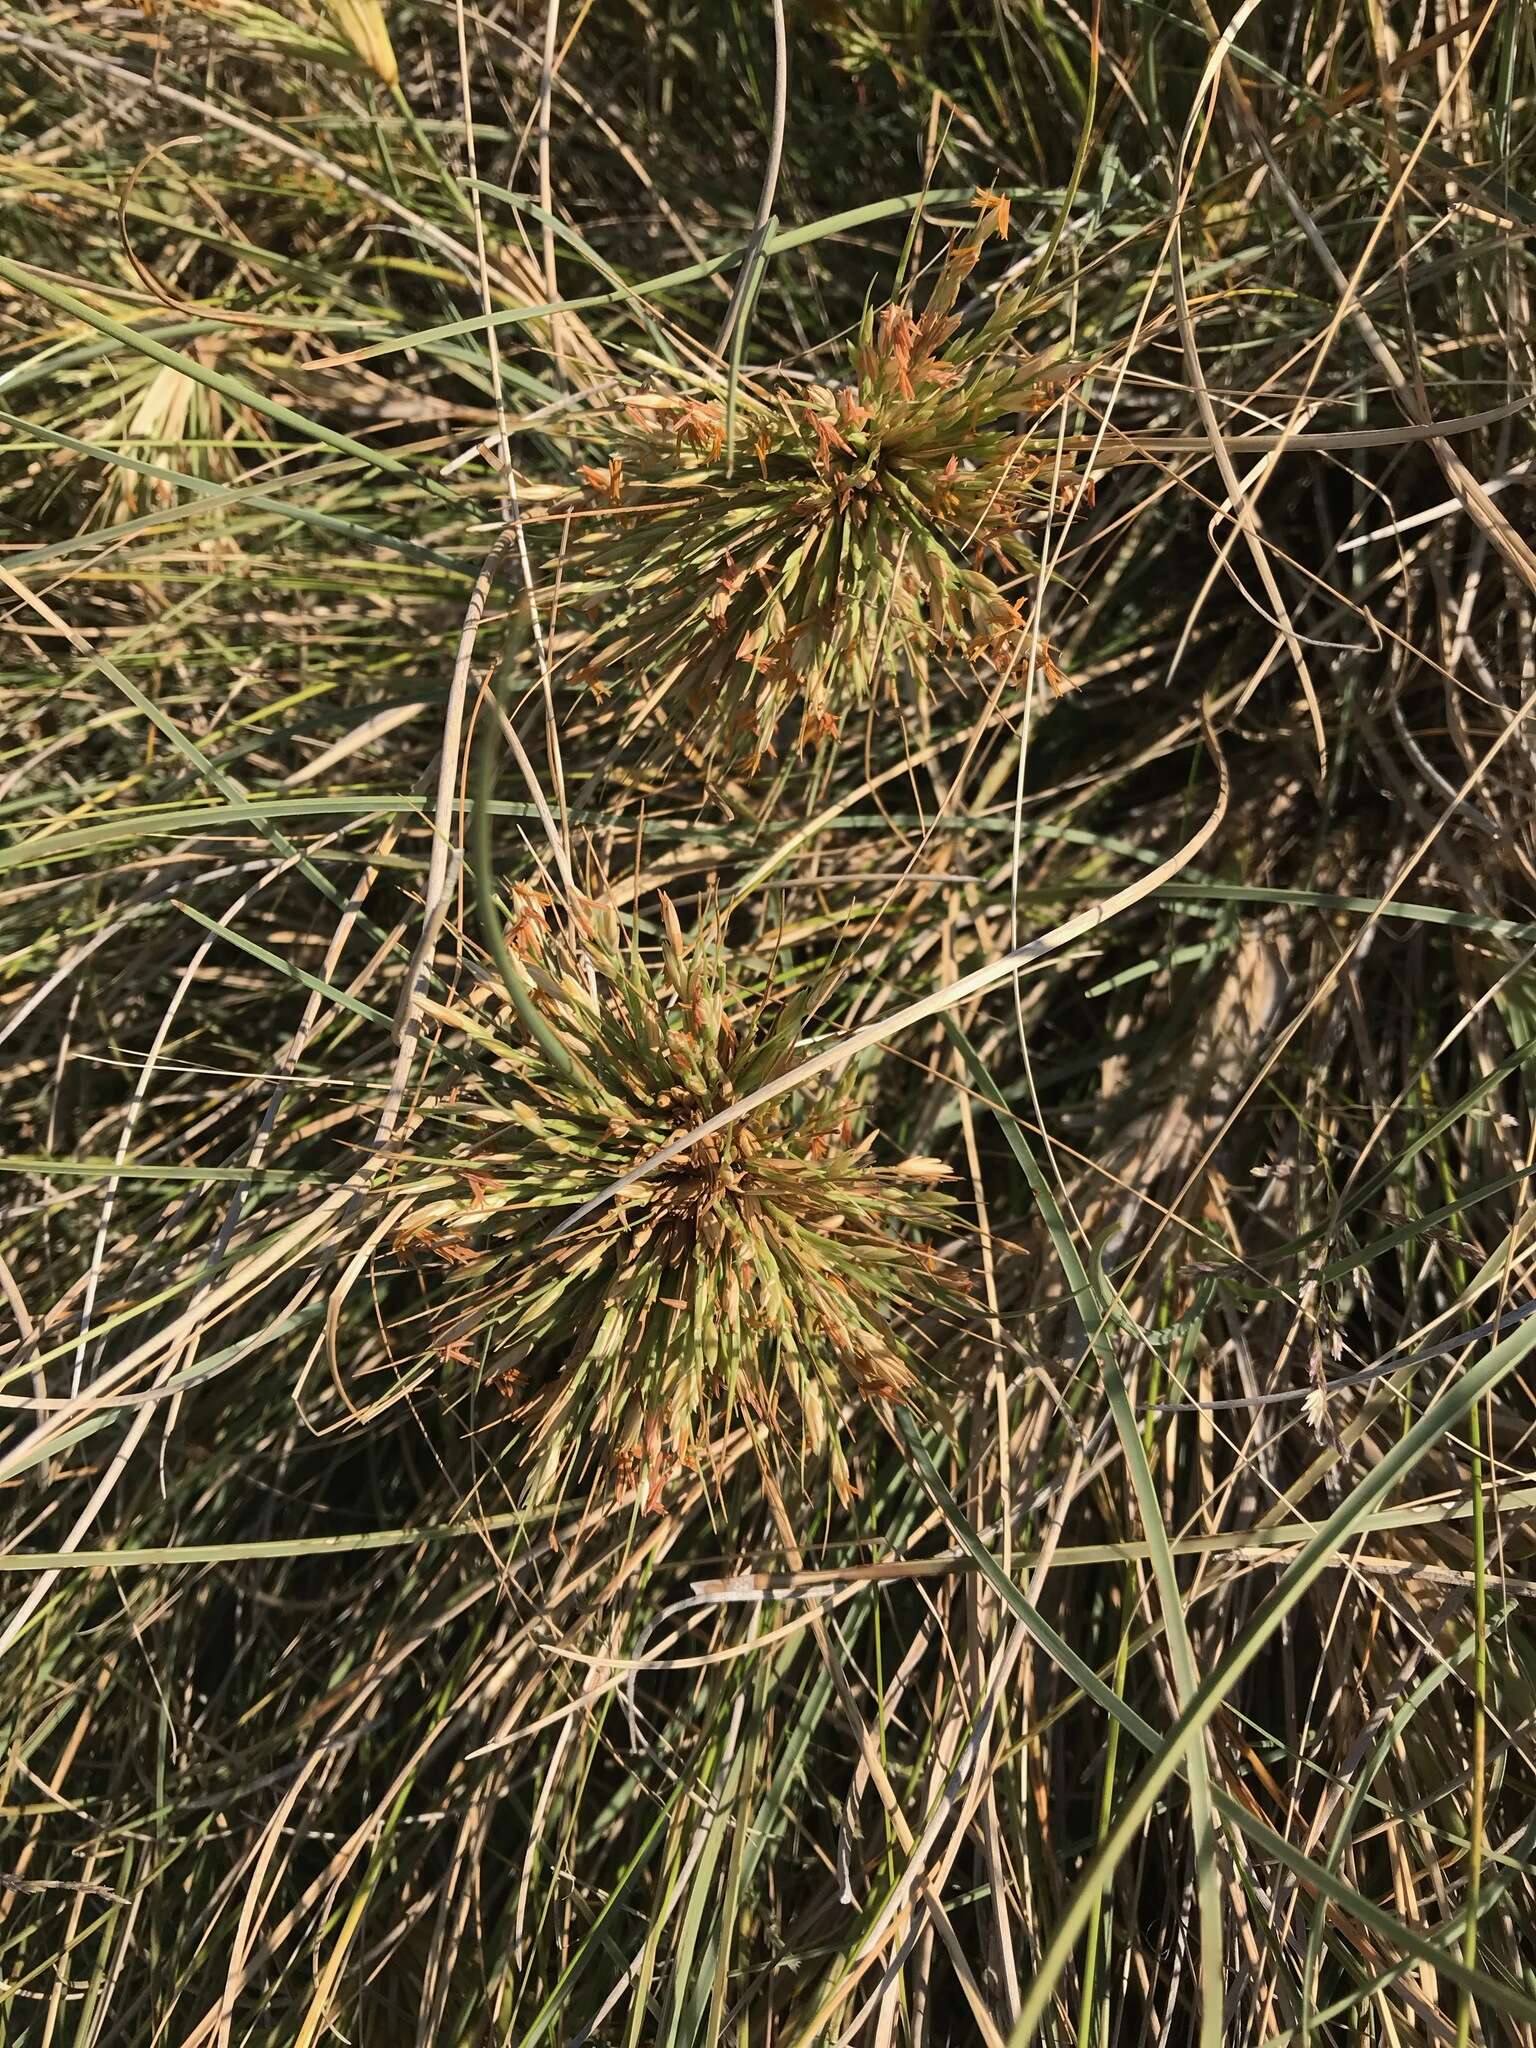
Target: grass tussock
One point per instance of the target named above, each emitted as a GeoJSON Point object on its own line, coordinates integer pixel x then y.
{"type": "Point", "coordinates": [812, 548]}
{"type": "Point", "coordinates": [760, 1279]}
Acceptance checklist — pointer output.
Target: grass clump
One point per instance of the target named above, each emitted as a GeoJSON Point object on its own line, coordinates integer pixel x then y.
{"type": "Point", "coordinates": [765, 1277]}
{"type": "Point", "coordinates": [802, 548]}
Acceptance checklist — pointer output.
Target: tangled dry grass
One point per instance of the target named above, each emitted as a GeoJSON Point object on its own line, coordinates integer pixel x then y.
{"type": "Point", "coordinates": [587, 701]}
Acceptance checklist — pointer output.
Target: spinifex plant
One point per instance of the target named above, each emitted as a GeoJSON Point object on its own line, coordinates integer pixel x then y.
{"type": "Point", "coordinates": [763, 1277]}
{"type": "Point", "coordinates": [806, 549]}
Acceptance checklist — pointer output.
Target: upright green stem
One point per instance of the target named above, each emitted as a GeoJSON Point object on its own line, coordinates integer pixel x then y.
{"type": "Point", "coordinates": [1100, 1921]}
{"type": "Point", "coordinates": [1466, 2005]}
{"type": "Point", "coordinates": [492, 923]}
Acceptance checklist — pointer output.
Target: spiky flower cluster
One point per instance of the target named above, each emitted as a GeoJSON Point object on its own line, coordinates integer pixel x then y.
{"type": "Point", "coordinates": [843, 535]}
{"type": "Point", "coordinates": [762, 1277]}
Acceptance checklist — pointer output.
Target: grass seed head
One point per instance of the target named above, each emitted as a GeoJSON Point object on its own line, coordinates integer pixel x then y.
{"type": "Point", "coordinates": [768, 1275]}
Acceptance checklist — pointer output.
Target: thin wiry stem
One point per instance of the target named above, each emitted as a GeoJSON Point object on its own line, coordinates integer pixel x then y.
{"type": "Point", "coordinates": [746, 283]}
